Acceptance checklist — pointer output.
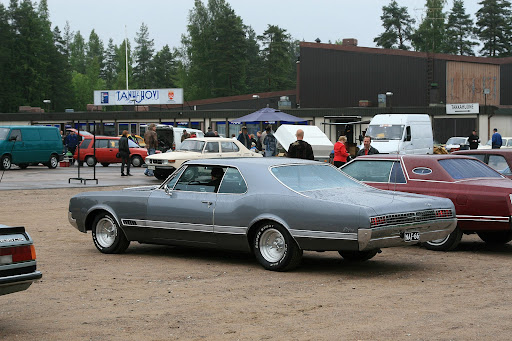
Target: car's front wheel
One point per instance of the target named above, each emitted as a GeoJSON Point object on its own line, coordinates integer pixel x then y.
{"type": "Point", "coordinates": [53, 162]}
{"type": "Point", "coordinates": [275, 248]}
{"type": "Point", "coordinates": [448, 243]}
{"type": "Point", "coordinates": [107, 235]}
{"type": "Point", "coordinates": [358, 256]}
{"type": "Point", "coordinates": [137, 161]}
{"type": "Point", "coordinates": [90, 161]}
{"type": "Point", "coordinates": [496, 237]}
{"type": "Point", "coordinates": [5, 162]}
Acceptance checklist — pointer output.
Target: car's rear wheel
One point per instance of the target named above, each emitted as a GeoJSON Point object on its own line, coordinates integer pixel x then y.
{"type": "Point", "coordinates": [53, 162]}
{"type": "Point", "coordinates": [496, 237]}
{"type": "Point", "coordinates": [445, 244]}
{"type": "Point", "coordinates": [358, 256]}
{"type": "Point", "coordinates": [105, 164]}
{"type": "Point", "coordinates": [137, 161]}
{"type": "Point", "coordinates": [90, 161]}
{"type": "Point", "coordinates": [275, 248]}
{"type": "Point", "coordinates": [5, 162]}
{"type": "Point", "coordinates": [107, 235]}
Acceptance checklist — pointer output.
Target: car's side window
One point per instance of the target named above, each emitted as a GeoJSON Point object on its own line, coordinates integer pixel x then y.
{"type": "Point", "coordinates": [212, 147]}
{"type": "Point", "coordinates": [509, 143]}
{"type": "Point", "coordinates": [200, 179]}
{"type": "Point", "coordinates": [113, 143]}
{"type": "Point", "coordinates": [233, 182]}
{"type": "Point", "coordinates": [85, 143]}
{"type": "Point", "coordinates": [499, 163]}
{"type": "Point", "coordinates": [229, 147]}
{"type": "Point", "coordinates": [101, 143]}
{"type": "Point", "coordinates": [397, 174]}
{"type": "Point", "coordinates": [235, 147]}
{"type": "Point", "coordinates": [174, 179]}
{"type": "Point", "coordinates": [16, 133]}
{"type": "Point", "coordinates": [369, 171]}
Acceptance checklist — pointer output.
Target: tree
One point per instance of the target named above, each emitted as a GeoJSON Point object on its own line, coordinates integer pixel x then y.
{"type": "Point", "coordinates": [255, 82]}
{"type": "Point", "coordinates": [77, 55]}
{"type": "Point", "coordinates": [494, 27]}
{"type": "Point", "coordinates": [397, 27]}
{"type": "Point", "coordinates": [165, 69]}
{"type": "Point", "coordinates": [95, 53]}
{"type": "Point", "coordinates": [459, 30]}
{"type": "Point", "coordinates": [111, 66]}
{"type": "Point", "coordinates": [121, 65]}
{"type": "Point", "coordinates": [430, 35]}
{"type": "Point", "coordinates": [7, 39]}
{"type": "Point", "coordinates": [59, 71]}
{"type": "Point", "coordinates": [143, 58]}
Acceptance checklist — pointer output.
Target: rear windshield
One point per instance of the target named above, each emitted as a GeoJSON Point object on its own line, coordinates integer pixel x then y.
{"type": "Point", "coordinates": [467, 169]}
{"type": "Point", "coordinates": [3, 133]}
{"type": "Point", "coordinates": [303, 178]}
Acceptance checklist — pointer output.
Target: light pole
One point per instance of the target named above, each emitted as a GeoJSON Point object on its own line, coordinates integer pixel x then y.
{"type": "Point", "coordinates": [486, 92]}
{"type": "Point", "coordinates": [47, 102]}
{"type": "Point", "coordinates": [389, 95]}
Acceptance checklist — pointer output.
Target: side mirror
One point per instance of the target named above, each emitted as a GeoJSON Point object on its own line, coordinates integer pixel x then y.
{"type": "Point", "coordinates": [12, 138]}
{"type": "Point", "coordinates": [167, 190]}
{"type": "Point", "coordinates": [408, 134]}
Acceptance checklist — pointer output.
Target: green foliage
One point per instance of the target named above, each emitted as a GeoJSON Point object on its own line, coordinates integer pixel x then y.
{"type": "Point", "coordinates": [77, 51]}
{"type": "Point", "coordinates": [494, 28]}
{"type": "Point", "coordinates": [397, 27]}
{"type": "Point", "coordinates": [143, 58]}
{"type": "Point", "coordinates": [430, 35]}
{"type": "Point", "coordinates": [164, 71]}
{"type": "Point", "coordinates": [459, 31]}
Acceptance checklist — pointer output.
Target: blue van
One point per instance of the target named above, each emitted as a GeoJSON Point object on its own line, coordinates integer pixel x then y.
{"type": "Point", "coordinates": [30, 145]}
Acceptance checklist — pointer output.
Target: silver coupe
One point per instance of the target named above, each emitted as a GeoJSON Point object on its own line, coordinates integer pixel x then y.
{"type": "Point", "coordinates": [273, 207]}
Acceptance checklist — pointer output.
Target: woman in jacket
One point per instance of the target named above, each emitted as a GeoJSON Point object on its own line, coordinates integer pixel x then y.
{"type": "Point", "coordinates": [124, 153]}
{"type": "Point", "coordinates": [340, 152]}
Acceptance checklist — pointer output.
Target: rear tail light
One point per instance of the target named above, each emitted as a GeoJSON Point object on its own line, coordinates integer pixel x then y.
{"type": "Point", "coordinates": [444, 213]}
{"type": "Point", "coordinates": [17, 254]}
{"type": "Point", "coordinates": [377, 221]}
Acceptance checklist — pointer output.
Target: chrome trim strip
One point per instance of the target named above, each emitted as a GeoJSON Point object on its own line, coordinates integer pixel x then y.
{"type": "Point", "coordinates": [500, 219]}
{"type": "Point", "coordinates": [323, 234]}
{"type": "Point", "coordinates": [169, 225]}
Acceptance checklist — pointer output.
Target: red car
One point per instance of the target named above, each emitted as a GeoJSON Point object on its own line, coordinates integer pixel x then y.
{"type": "Point", "coordinates": [106, 149]}
{"type": "Point", "coordinates": [497, 159]}
{"type": "Point", "coordinates": [482, 196]}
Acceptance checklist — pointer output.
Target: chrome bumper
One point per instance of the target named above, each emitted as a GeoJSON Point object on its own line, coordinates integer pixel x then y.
{"type": "Point", "coordinates": [72, 221]}
{"type": "Point", "coordinates": [387, 236]}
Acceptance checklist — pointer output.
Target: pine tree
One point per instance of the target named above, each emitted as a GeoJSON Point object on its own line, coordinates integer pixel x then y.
{"type": "Point", "coordinates": [430, 35]}
{"type": "Point", "coordinates": [397, 27]}
{"type": "Point", "coordinates": [459, 30]}
{"type": "Point", "coordinates": [60, 74]}
{"type": "Point", "coordinates": [165, 69]}
{"type": "Point", "coordinates": [77, 55]}
{"type": "Point", "coordinates": [95, 53]}
{"type": "Point", "coordinates": [111, 65]}
{"type": "Point", "coordinates": [7, 39]}
{"type": "Point", "coordinates": [143, 58]}
{"type": "Point", "coordinates": [494, 28]}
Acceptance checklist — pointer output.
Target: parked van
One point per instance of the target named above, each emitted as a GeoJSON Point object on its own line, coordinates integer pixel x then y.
{"type": "Point", "coordinates": [401, 133]}
{"type": "Point", "coordinates": [169, 137]}
{"type": "Point", "coordinates": [28, 145]}
{"type": "Point", "coordinates": [320, 143]}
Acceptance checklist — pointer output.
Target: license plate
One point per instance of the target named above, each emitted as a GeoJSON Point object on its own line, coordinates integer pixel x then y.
{"type": "Point", "coordinates": [151, 167]}
{"type": "Point", "coordinates": [411, 236]}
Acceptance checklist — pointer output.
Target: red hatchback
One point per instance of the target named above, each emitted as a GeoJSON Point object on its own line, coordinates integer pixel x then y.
{"type": "Point", "coordinates": [106, 149]}
{"type": "Point", "coordinates": [482, 196]}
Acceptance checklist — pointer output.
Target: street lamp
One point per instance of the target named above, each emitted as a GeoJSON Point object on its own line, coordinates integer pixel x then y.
{"type": "Point", "coordinates": [256, 97]}
{"type": "Point", "coordinates": [389, 95]}
{"type": "Point", "coordinates": [47, 102]}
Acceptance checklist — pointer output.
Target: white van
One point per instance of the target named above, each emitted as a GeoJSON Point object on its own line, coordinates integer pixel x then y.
{"type": "Point", "coordinates": [401, 133]}
{"type": "Point", "coordinates": [320, 143]}
{"type": "Point", "coordinates": [169, 137]}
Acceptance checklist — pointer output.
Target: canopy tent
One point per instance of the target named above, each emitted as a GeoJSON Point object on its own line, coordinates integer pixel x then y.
{"type": "Point", "coordinates": [269, 115]}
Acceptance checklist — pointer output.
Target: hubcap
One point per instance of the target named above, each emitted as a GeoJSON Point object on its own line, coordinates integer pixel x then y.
{"type": "Point", "coordinates": [439, 241]}
{"type": "Point", "coordinates": [106, 232]}
{"type": "Point", "coordinates": [6, 163]}
{"type": "Point", "coordinates": [54, 162]}
{"type": "Point", "coordinates": [272, 245]}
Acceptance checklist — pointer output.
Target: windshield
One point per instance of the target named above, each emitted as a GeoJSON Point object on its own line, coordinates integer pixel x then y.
{"type": "Point", "coordinates": [303, 178]}
{"type": "Point", "coordinates": [3, 133]}
{"type": "Point", "coordinates": [385, 132]}
{"type": "Point", "coordinates": [132, 144]}
{"type": "Point", "coordinates": [192, 146]}
{"type": "Point", "coordinates": [456, 140]}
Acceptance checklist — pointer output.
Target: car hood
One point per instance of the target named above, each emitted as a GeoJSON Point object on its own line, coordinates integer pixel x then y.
{"type": "Point", "coordinates": [381, 201]}
{"type": "Point", "coordinates": [177, 154]}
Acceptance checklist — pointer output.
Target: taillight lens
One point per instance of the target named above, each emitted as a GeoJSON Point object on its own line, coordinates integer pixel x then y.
{"type": "Point", "coordinates": [376, 221]}
{"type": "Point", "coordinates": [444, 213]}
{"type": "Point", "coordinates": [19, 253]}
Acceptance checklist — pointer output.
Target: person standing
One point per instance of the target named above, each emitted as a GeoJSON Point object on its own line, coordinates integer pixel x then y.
{"type": "Point", "coordinates": [496, 139]}
{"type": "Point", "coordinates": [473, 140]}
{"type": "Point", "coordinates": [209, 133]}
{"type": "Point", "coordinates": [270, 142]}
{"type": "Point", "coordinates": [300, 149]}
{"type": "Point", "coordinates": [259, 141]}
{"type": "Point", "coordinates": [244, 138]}
{"type": "Point", "coordinates": [151, 141]}
{"type": "Point", "coordinates": [340, 152]}
{"type": "Point", "coordinates": [71, 142]}
{"type": "Point", "coordinates": [367, 147]}
{"type": "Point", "coordinates": [124, 152]}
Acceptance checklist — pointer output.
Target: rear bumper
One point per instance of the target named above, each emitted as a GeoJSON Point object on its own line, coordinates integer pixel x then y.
{"type": "Point", "coordinates": [17, 283]}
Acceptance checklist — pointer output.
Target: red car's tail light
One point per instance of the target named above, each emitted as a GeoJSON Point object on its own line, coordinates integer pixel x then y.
{"type": "Point", "coordinates": [376, 221]}
{"type": "Point", "coordinates": [444, 213]}
{"type": "Point", "coordinates": [19, 253]}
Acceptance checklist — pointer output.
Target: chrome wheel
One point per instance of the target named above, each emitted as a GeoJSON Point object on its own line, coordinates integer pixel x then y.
{"type": "Point", "coordinates": [54, 162]}
{"type": "Point", "coordinates": [106, 232]}
{"type": "Point", "coordinates": [439, 242]}
{"type": "Point", "coordinates": [6, 162]}
{"type": "Point", "coordinates": [272, 245]}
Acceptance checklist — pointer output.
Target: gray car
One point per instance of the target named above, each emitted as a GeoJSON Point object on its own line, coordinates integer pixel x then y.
{"type": "Point", "coordinates": [273, 207]}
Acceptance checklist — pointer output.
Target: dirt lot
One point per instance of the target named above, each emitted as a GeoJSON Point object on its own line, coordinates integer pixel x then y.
{"type": "Point", "coordinates": [164, 293]}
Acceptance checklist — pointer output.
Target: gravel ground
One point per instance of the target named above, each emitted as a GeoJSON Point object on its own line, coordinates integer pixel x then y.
{"type": "Point", "coordinates": [165, 293]}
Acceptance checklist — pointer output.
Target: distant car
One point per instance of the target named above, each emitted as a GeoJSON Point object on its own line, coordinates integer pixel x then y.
{"type": "Point", "coordinates": [456, 143]}
{"type": "Point", "coordinates": [196, 148]}
{"type": "Point", "coordinates": [106, 149]}
{"type": "Point", "coordinates": [506, 142]}
{"type": "Point", "coordinates": [273, 207]}
{"type": "Point", "coordinates": [17, 260]}
{"type": "Point", "coordinates": [80, 133]}
{"type": "Point", "coordinates": [482, 196]}
{"type": "Point", "coordinates": [498, 159]}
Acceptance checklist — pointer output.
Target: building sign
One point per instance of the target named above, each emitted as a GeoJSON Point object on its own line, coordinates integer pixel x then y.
{"type": "Point", "coordinates": [138, 97]}
{"type": "Point", "coordinates": [463, 108]}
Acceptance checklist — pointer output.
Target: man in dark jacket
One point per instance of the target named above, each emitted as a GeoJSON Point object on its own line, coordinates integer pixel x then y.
{"type": "Point", "coordinates": [368, 149]}
{"type": "Point", "coordinates": [124, 152]}
{"type": "Point", "coordinates": [300, 149]}
{"type": "Point", "coordinates": [209, 133]}
{"type": "Point", "coordinates": [244, 138]}
{"type": "Point", "coordinates": [473, 140]}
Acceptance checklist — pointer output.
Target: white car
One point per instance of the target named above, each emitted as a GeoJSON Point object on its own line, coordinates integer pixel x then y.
{"type": "Point", "coordinates": [506, 142]}
{"type": "Point", "coordinates": [456, 143]}
{"type": "Point", "coordinates": [165, 164]}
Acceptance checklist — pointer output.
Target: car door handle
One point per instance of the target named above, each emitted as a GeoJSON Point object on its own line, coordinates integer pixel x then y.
{"type": "Point", "coordinates": [209, 203]}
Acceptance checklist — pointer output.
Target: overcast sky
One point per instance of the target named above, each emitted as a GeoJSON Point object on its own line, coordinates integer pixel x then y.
{"type": "Point", "coordinates": [167, 19]}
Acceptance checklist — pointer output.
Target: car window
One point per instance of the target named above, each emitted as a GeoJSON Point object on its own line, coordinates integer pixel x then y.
{"type": "Point", "coordinates": [498, 163]}
{"type": "Point", "coordinates": [467, 169]}
{"type": "Point", "coordinates": [16, 133]}
{"type": "Point", "coordinates": [200, 179]}
{"type": "Point", "coordinates": [172, 182]}
{"type": "Point", "coordinates": [509, 143]}
{"type": "Point", "coordinates": [229, 147]}
{"type": "Point", "coordinates": [113, 144]}
{"type": "Point", "coordinates": [303, 178]}
{"type": "Point", "coordinates": [371, 171]}
{"type": "Point", "coordinates": [233, 182]}
{"type": "Point", "coordinates": [192, 146]}
{"type": "Point", "coordinates": [212, 147]}
{"type": "Point", "coordinates": [101, 143]}
{"type": "Point", "coordinates": [480, 157]}
{"type": "Point", "coordinates": [131, 144]}
{"type": "Point", "coordinates": [85, 143]}
{"type": "Point", "coordinates": [456, 140]}
{"type": "Point", "coordinates": [3, 133]}
{"type": "Point", "coordinates": [397, 174]}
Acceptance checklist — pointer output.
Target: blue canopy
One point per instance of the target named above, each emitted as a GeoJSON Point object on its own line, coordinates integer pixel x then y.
{"type": "Point", "coordinates": [268, 114]}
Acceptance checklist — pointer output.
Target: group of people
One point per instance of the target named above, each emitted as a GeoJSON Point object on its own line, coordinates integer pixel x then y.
{"type": "Point", "coordinates": [341, 154]}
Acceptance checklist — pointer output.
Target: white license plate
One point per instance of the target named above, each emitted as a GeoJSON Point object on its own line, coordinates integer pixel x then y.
{"type": "Point", "coordinates": [411, 236]}
{"type": "Point", "coordinates": [151, 167]}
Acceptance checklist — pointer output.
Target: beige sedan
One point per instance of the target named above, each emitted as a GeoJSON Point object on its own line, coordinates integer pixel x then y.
{"type": "Point", "coordinates": [165, 164]}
